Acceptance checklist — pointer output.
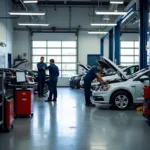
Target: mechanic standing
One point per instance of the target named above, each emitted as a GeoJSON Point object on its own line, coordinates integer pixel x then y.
{"type": "Point", "coordinates": [41, 76]}
{"type": "Point", "coordinates": [54, 74]}
{"type": "Point", "coordinates": [90, 76]}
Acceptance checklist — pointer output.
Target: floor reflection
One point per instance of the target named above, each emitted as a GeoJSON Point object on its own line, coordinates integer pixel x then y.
{"type": "Point", "coordinates": [69, 125]}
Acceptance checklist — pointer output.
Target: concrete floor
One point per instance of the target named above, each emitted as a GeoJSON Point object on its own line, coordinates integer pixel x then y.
{"type": "Point", "coordinates": [69, 125]}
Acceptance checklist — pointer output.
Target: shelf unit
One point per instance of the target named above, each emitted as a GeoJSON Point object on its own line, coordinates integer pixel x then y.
{"type": "Point", "coordinates": [2, 95]}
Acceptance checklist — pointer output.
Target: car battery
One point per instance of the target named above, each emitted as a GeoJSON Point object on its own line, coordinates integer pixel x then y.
{"type": "Point", "coordinates": [9, 112]}
{"type": "Point", "coordinates": [24, 102]}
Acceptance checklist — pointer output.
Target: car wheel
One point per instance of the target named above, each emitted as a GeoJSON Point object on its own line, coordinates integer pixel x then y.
{"type": "Point", "coordinates": [45, 89]}
{"type": "Point", "coordinates": [120, 100]}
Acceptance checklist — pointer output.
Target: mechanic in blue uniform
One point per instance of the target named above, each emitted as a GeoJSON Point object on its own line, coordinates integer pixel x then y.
{"type": "Point", "coordinates": [90, 76]}
{"type": "Point", "coordinates": [54, 74]}
{"type": "Point", "coordinates": [41, 76]}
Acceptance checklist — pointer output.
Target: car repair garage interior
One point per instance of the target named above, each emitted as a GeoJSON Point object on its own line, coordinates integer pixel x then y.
{"type": "Point", "coordinates": [74, 74]}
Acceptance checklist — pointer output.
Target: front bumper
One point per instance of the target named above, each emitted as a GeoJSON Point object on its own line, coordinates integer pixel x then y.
{"type": "Point", "coordinates": [100, 97]}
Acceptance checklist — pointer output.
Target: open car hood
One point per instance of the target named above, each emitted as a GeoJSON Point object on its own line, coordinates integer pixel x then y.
{"type": "Point", "coordinates": [109, 64]}
{"type": "Point", "coordinates": [84, 67]}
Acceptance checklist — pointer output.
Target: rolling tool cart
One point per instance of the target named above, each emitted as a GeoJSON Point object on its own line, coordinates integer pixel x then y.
{"type": "Point", "coordinates": [9, 113]}
{"type": "Point", "coordinates": [24, 102]}
{"type": "Point", "coordinates": [23, 94]}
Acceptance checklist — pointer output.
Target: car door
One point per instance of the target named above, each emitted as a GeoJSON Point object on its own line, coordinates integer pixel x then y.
{"type": "Point", "coordinates": [139, 88]}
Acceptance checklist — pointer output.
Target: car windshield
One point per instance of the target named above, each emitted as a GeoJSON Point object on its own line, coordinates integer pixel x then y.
{"type": "Point", "coordinates": [137, 73]}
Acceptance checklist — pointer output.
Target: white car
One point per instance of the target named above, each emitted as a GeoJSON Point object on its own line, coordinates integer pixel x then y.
{"type": "Point", "coordinates": [112, 75]}
{"type": "Point", "coordinates": [123, 92]}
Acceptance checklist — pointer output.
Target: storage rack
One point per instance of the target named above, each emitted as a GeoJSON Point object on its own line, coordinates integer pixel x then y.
{"type": "Point", "coordinates": [2, 95]}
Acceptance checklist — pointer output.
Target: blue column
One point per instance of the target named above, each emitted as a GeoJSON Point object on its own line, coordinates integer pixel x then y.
{"type": "Point", "coordinates": [110, 44]}
{"type": "Point", "coordinates": [102, 47]}
{"type": "Point", "coordinates": [143, 11]}
{"type": "Point", "coordinates": [116, 44]}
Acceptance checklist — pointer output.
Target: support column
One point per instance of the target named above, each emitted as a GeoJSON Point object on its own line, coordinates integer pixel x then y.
{"type": "Point", "coordinates": [116, 44]}
{"type": "Point", "coordinates": [143, 13]}
{"type": "Point", "coordinates": [102, 47]}
{"type": "Point", "coordinates": [110, 44]}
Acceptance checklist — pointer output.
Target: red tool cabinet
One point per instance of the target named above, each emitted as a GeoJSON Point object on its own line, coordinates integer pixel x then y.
{"type": "Point", "coordinates": [24, 102]}
{"type": "Point", "coordinates": [9, 113]}
{"type": "Point", "coordinates": [146, 104]}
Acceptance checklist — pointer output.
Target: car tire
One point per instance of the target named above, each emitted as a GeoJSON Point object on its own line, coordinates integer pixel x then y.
{"type": "Point", "coordinates": [120, 100]}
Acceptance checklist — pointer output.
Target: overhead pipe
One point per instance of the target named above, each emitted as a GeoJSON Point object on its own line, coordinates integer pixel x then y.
{"type": "Point", "coordinates": [25, 7]}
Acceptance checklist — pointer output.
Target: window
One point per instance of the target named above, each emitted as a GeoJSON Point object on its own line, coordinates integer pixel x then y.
{"type": "Point", "coordinates": [130, 52]}
{"type": "Point", "coordinates": [63, 52]}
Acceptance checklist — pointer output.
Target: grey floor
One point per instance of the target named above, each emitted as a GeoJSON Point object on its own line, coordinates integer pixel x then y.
{"type": "Point", "coordinates": [69, 125]}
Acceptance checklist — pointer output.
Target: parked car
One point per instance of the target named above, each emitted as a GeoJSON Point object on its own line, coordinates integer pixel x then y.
{"type": "Point", "coordinates": [110, 74]}
{"type": "Point", "coordinates": [75, 80]}
{"type": "Point", "coordinates": [33, 77]}
{"type": "Point", "coordinates": [121, 92]}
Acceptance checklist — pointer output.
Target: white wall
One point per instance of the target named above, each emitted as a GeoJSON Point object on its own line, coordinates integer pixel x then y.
{"type": "Point", "coordinates": [21, 44]}
{"type": "Point", "coordinates": [129, 37]}
{"type": "Point", "coordinates": [6, 30]}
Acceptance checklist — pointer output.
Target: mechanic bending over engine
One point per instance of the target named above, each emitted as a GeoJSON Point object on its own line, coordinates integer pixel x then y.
{"type": "Point", "coordinates": [41, 76]}
{"type": "Point", "coordinates": [90, 76]}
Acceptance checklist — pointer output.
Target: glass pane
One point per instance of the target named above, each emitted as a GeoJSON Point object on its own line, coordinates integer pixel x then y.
{"type": "Point", "coordinates": [69, 66]}
{"type": "Point", "coordinates": [68, 73]}
{"type": "Point", "coordinates": [69, 59]}
{"type": "Point", "coordinates": [69, 52]}
{"type": "Point", "coordinates": [148, 52]}
{"type": "Point", "coordinates": [39, 43]}
{"type": "Point", "coordinates": [34, 66]}
{"type": "Point", "coordinates": [37, 58]}
{"type": "Point", "coordinates": [127, 52]}
{"type": "Point", "coordinates": [127, 59]}
{"type": "Point", "coordinates": [137, 52]}
{"type": "Point", "coordinates": [56, 58]}
{"type": "Point", "coordinates": [136, 44]}
{"type": "Point", "coordinates": [57, 64]}
{"type": "Point", "coordinates": [137, 59]}
{"type": "Point", "coordinates": [54, 43]}
{"type": "Point", "coordinates": [69, 44]}
{"type": "Point", "coordinates": [54, 51]}
{"type": "Point", "coordinates": [39, 52]}
{"type": "Point", "coordinates": [127, 64]}
{"type": "Point", "coordinates": [126, 44]}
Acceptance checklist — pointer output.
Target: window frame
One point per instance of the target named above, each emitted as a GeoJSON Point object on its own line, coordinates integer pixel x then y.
{"type": "Point", "coordinates": [61, 55]}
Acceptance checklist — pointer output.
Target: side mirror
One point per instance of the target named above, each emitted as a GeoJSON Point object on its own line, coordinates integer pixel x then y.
{"type": "Point", "coordinates": [144, 78]}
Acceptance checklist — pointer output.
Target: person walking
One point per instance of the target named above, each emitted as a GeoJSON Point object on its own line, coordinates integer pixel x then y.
{"type": "Point", "coordinates": [41, 76]}
{"type": "Point", "coordinates": [89, 77]}
{"type": "Point", "coordinates": [54, 74]}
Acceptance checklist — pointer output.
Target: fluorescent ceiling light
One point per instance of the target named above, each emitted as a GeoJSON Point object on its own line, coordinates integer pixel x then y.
{"type": "Point", "coordinates": [116, 2]}
{"type": "Point", "coordinates": [110, 13]}
{"type": "Point", "coordinates": [28, 13]}
{"type": "Point", "coordinates": [30, 1]}
{"type": "Point", "coordinates": [96, 32]}
{"type": "Point", "coordinates": [33, 24]}
{"type": "Point", "coordinates": [103, 24]}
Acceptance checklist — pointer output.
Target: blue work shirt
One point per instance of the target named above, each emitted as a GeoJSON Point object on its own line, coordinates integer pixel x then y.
{"type": "Point", "coordinates": [91, 75]}
{"type": "Point", "coordinates": [41, 71]}
{"type": "Point", "coordinates": [53, 72]}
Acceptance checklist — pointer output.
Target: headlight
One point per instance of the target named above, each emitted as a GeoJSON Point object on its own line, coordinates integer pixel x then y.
{"type": "Point", "coordinates": [103, 88]}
